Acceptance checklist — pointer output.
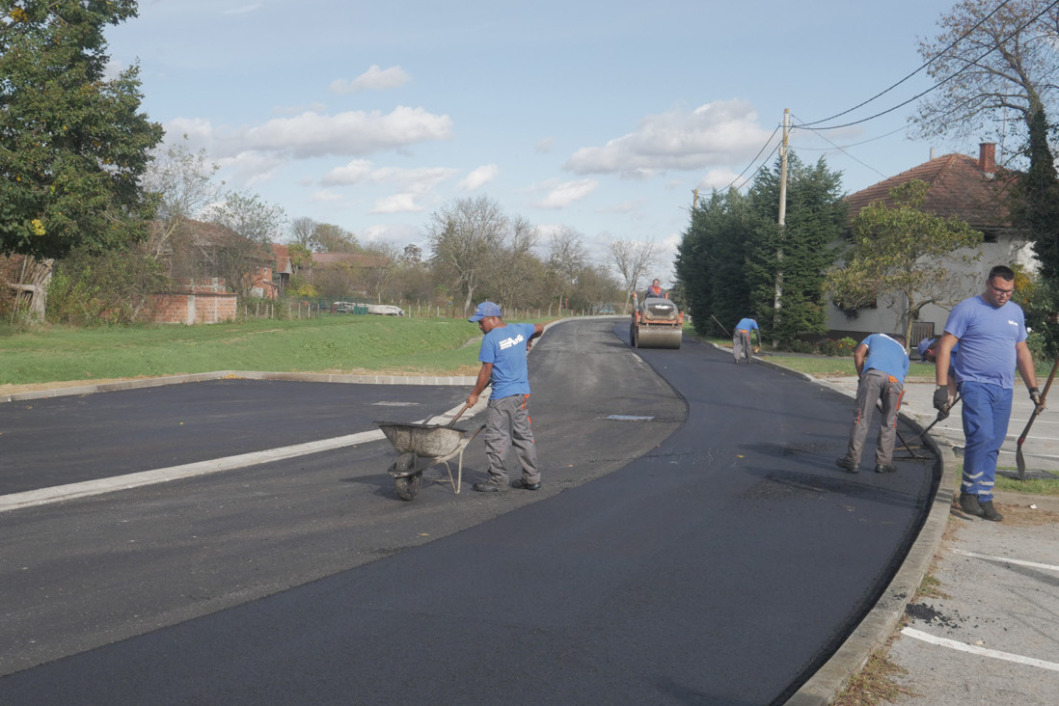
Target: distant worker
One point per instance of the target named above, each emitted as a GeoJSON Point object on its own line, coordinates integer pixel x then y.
{"type": "Point", "coordinates": [882, 364]}
{"type": "Point", "coordinates": [741, 339]}
{"type": "Point", "coordinates": [991, 331]}
{"type": "Point", "coordinates": [928, 349]}
{"type": "Point", "coordinates": [655, 291]}
{"type": "Point", "coordinates": [503, 359]}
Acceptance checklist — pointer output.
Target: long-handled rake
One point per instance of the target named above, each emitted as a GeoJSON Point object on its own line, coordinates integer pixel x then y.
{"type": "Point", "coordinates": [1019, 460]}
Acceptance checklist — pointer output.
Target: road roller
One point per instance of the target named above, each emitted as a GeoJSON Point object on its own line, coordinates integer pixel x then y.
{"type": "Point", "coordinates": [656, 323]}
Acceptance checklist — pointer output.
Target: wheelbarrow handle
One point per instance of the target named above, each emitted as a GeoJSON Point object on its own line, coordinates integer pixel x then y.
{"type": "Point", "coordinates": [458, 415]}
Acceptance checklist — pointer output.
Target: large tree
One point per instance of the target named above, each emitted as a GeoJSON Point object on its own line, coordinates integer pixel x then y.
{"type": "Point", "coordinates": [996, 67]}
{"type": "Point", "coordinates": [465, 238]}
{"type": "Point", "coordinates": [799, 252]}
{"type": "Point", "coordinates": [73, 143]}
{"type": "Point", "coordinates": [711, 262]}
{"type": "Point", "coordinates": [898, 255]}
{"type": "Point", "coordinates": [633, 260]}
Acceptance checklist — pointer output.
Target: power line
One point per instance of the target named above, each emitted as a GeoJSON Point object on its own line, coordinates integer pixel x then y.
{"type": "Point", "coordinates": [931, 60]}
{"type": "Point", "coordinates": [843, 149]}
{"type": "Point", "coordinates": [940, 83]}
{"type": "Point", "coordinates": [752, 161]}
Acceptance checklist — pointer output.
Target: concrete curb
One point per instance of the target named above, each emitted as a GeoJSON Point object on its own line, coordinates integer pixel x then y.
{"type": "Point", "coordinates": [458, 380]}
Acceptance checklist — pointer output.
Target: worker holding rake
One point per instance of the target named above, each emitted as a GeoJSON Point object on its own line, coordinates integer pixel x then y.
{"type": "Point", "coordinates": [991, 331]}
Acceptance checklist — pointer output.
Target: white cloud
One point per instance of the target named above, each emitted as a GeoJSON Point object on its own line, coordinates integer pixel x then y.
{"type": "Point", "coordinates": [325, 196]}
{"type": "Point", "coordinates": [313, 134]}
{"type": "Point", "coordinates": [720, 179]}
{"type": "Point", "coordinates": [354, 133]}
{"type": "Point", "coordinates": [545, 145]}
{"type": "Point", "coordinates": [397, 203]}
{"type": "Point", "coordinates": [374, 79]}
{"type": "Point", "coordinates": [353, 173]}
{"type": "Point", "coordinates": [479, 177]}
{"type": "Point", "coordinates": [564, 194]}
{"type": "Point", "coordinates": [724, 132]}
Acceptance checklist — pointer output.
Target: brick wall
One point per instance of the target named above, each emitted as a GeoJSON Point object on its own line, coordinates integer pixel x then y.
{"type": "Point", "coordinates": [201, 308]}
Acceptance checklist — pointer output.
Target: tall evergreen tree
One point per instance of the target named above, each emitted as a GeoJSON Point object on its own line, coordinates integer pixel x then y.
{"type": "Point", "coordinates": [814, 218]}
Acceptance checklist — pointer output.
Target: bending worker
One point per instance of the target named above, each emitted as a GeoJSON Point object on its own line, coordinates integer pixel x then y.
{"type": "Point", "coordinates": [882, 364]}
{"type": "Point", "coordinates": [741, 339]}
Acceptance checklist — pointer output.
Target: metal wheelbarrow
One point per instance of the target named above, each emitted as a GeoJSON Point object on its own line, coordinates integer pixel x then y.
{"type": "Point", "coordinates": [422, 446]}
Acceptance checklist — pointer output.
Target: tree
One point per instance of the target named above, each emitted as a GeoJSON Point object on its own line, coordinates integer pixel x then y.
{"type": "Point", "coordinates": [898, 254]}
{"type": "Point", "coordinates": [327, 237]}
{"type": "Point", "coordinates": [566, 261]}
{"type": "Point", "coordinates": [182, 185]}
{"type": "Point", "coordinates": [711, 261]}
{"type": "Point", "coordinates": [73, 143]}
{"type": "Point", "coordinates": [464, 238]}
{"type": "Point", "coordinates": [252, 226]}
{"type": "Point", "coordinates": [814, 219]}
{"type": "Point", "coordinates": [632, 260]}
{"type": "Point", "coordinates": [990, 61]}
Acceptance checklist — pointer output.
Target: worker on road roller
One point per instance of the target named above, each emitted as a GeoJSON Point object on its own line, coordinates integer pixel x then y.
{"type": "Point", "coordinates": [656, 320]}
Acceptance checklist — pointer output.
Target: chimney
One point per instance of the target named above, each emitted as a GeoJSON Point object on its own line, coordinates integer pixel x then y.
{"type": "Point", "coordinates": [987, 157]}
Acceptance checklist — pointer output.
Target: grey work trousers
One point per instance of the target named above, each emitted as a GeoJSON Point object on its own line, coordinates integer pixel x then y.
{"type": "Point", "coordinates": [875, 385]}
{"type": "Point", "coordinates": [508, 426]}
{"type": "Point", "coordinates": [741, 344]}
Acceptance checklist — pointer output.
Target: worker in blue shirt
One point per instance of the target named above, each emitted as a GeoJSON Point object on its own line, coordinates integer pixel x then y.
{"type": "Point", "coordinates": [882, 364]}
{"type": "Point", "coordinates": [741, 339]}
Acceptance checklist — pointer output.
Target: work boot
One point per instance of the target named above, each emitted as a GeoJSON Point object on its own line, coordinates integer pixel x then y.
{"type": "Point", "coordinates": [846, 465]}
{"type": "Point", "coordinates": [989, 512]}
{"type": "Point", "coordinates": [969, 504]}
{"type": "Point", "coordinates": [885, 468]}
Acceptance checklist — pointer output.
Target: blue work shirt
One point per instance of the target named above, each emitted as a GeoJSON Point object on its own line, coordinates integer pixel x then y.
{"type": "Point", "coordinates": [746, 325]}
{"type": "Point", "coordinates": [987, 336]}
{"type": "Point", "coordinates": [886, 355]}
{"type": "Point", "coordinates": [505, 348]}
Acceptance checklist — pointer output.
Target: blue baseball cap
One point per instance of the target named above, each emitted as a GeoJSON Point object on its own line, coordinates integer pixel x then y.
{"type": "Point", "coordinates": [485, 309]}
{"type": "Point", "coordinates": [924, 345]}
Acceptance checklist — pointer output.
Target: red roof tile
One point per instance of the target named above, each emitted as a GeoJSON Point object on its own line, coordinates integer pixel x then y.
{"type": "Point", "coordinates": [958, 187]}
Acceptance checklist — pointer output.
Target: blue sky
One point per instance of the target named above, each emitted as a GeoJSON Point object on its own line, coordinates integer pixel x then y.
{"type": "Point", "coordinates": [597, 117]}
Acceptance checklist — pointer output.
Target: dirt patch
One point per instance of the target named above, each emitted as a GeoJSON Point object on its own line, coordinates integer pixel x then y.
{"type": "Point", "coordinates": [1024, 516]}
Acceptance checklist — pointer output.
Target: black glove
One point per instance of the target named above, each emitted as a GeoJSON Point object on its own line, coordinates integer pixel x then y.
{"type": "Point", "coordinates": [1035, 395]}
{"type": "Point", "coordinates": [941, 399]}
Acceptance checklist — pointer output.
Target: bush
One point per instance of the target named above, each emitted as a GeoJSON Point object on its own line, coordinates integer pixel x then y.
{"type": "Point", "coordinates": [841, 347]}
{"type": "Point", "coordinates": [112, 288]}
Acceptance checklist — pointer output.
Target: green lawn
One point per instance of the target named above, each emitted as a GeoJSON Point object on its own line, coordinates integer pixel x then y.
{"type": "Point", "coordinates": [339, 344]}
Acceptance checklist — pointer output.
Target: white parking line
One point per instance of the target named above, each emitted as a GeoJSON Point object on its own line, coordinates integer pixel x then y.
{"type": "Point", "coordinates": [982, 651]}
{"type": "Point", "coordinates": [1006, 560]}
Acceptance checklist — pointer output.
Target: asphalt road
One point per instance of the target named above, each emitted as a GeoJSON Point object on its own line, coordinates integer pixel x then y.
{"type": "Point", "coordinates": [693, 543]}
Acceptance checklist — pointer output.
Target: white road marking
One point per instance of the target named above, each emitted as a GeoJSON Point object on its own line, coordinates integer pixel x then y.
{"type": "Point", "coordinates": [1006, 560]}
{"type": "Point", "coordinates": [981, 651]}
{"type": "Point", "coordinates": [188, 470]}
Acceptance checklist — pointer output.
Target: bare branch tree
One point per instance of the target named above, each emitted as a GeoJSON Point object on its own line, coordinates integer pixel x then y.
{"type": "Point", "coordinates": [632, 260]}
{"type": "Point", "coordinates": [990, 62]}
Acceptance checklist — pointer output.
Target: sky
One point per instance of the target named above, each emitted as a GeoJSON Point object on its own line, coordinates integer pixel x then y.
{"type": "Point", "coordinates": [600, 118]}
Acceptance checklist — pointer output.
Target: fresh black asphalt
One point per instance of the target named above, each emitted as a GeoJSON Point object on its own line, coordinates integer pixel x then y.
{"type": "Point", "coordinates": [693, 544]}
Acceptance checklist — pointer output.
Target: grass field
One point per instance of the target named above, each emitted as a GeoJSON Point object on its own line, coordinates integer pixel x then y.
{"type": "Point", "coordinates": [341, 344]}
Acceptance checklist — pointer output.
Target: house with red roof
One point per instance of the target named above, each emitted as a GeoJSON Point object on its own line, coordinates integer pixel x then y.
{"type": "Point", "coordinates": [971, 189]}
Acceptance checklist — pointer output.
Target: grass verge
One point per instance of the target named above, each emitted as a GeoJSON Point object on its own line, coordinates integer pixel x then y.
{"type": "Point", "coordinates": [341, 344]}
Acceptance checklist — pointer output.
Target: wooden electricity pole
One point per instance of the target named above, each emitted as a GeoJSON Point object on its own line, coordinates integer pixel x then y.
{"type": "Point", "coordinates": [777, 302]}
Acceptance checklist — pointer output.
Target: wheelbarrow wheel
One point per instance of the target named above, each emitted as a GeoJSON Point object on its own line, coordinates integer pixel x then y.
{"type": "Point", "coordinates": [408, 486]}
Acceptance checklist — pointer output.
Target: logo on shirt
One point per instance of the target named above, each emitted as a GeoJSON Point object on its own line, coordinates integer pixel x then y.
{"type": "Point", "coordinates": [508, 342]}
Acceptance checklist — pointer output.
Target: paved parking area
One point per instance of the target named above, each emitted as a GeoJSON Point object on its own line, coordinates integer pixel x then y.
{"type": "Point", "coordinates": [988, 632]}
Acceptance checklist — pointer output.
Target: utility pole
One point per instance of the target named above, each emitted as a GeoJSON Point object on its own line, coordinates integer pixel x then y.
{"type": "Point", "coordinates": [777, 302]}
{"type": "Point", "coordinates": [695, 200]}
